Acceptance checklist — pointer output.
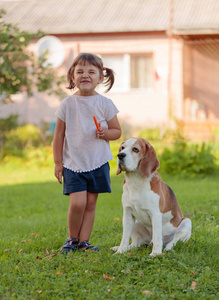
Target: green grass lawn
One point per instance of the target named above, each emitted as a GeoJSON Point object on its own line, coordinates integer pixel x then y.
{"type": "Point", "coordinates": [33, 226]}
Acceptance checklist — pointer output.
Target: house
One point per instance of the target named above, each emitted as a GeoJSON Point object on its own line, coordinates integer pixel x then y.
{"type": "Point", "coordinates": [165, 54]}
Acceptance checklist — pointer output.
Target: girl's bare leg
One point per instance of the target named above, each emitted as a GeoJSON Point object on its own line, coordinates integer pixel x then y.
{"type": "Point", "coordinates": [78, 202]}
{"type": "Point", "coordinates": [88, 217]}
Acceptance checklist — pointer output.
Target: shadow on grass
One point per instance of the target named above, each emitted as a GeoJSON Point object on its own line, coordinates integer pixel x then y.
{"type": "Point", "coordinates": [42, 208]}
{"type": "Point", "coordinates": [34, 206]}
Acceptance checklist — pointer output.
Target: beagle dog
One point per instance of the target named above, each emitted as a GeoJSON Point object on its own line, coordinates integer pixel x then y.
{"type": "Point", "coordinates": [151, 213]}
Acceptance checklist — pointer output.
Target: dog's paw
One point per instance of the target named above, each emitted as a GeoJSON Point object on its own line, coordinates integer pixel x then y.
{"type": "Point", "coordinates": [114, 248]}
{"type": "Point", "coordinates": [121, 250]}
{"type": "Point", "coordinates": [153, 253]}
{"type": "Point", "coordinates": [168, 247]}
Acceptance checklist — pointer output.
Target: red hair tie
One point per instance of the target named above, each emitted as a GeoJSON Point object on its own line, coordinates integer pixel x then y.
{"type": "Point", "coordinates": [104, 69]}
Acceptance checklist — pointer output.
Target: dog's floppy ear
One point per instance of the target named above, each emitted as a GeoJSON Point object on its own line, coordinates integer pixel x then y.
{"type": "Point", "coordinates": [149, 162]}
{"type": "Point", "coordinates": [119, 170]}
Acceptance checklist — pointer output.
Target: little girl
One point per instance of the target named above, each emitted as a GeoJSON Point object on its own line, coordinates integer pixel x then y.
{"type": "Point", "coordinates": [81, 153]}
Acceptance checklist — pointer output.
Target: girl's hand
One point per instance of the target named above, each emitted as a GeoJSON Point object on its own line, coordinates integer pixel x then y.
{"type": "Point", "coordinates": [112, 133]}
{"type": "Point", "coordinates": [101, 134]}
{"type": "Point", "coordinates": [59, 172]}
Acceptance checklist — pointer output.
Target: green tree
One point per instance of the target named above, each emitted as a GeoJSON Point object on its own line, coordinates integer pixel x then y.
{"type": "Point", "coordinates": [19, 68]}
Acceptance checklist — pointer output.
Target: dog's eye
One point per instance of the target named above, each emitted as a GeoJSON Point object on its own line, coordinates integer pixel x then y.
{"type": "Point", "coordinates": [135, 150]}
{"type": "Point", "coordinates": [122, 148]}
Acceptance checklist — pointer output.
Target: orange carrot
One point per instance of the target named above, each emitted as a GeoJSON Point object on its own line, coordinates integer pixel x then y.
{"type": "Point", "coordinates": [97, 125]}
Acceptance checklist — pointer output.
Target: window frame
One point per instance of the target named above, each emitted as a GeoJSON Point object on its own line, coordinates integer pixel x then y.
{"type": "Point", "coordinates": [126, 57]}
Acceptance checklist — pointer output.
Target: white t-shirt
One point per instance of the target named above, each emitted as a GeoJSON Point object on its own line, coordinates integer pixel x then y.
{"type": "Point", "coordinates": [82, 150]}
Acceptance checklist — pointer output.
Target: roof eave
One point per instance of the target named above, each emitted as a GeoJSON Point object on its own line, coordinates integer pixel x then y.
{"type": "Point", "coordinates": [118, 32]}
{"type": "Point", "coordinates": [199, 31]}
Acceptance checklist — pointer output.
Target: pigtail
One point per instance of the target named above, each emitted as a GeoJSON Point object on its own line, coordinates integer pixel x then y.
{"type": "Point", "coordinates": [109, 78]}
{"type": "Point", "coordinates": [92, 59]}
{"type": "Point", "coordinates": [71, 84]}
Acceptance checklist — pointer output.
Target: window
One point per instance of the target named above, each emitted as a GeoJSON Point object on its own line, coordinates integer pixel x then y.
{"type": "Point", "coordinates": [119, 65]}
{"type": "Point", "coordinates": [133, 71]}
{"type": "Point", "coordinates": [141, 71]}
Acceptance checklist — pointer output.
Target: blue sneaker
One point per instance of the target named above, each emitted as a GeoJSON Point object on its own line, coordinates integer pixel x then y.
{"type": "Point", "coordinates": [86, 246]}
{"type": "Point", "coordinates": [70, 245]}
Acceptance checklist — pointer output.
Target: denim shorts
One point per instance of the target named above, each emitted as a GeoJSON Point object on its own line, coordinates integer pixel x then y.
{"type": "Point", "coordinates": [96, 181]}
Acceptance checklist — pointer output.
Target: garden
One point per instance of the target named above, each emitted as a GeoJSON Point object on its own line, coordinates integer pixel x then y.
{"type": "Point", "coordinates": [33, 215]}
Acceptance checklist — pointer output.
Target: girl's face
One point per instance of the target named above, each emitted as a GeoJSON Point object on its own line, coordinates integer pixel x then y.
{"type": "Point", "coordinates": [86, 78]}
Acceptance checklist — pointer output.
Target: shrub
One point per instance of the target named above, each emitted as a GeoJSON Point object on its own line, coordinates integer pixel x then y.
{"type": "Point", "coordinates": [150, 134]}
{"type": "Point", "coordinates": [6, 125]}
{"type": "Point", "coordinates": [184, 158]}
{"type": "Point", "coordinates": [41, 157]}
{"type": "Point", "coordinates": [154, 135]}
{"type": "Point", "coordinates": [21, 138]}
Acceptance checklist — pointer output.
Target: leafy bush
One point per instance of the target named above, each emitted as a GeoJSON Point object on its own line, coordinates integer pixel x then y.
{"type": "Point", "coordinates": [6, 125]}
{"type": "Point", "coordinates": [34, 157]}
{"type": "Point", "coordinates": [20, 70]}
{"type": "Point", "coordinates": [21, 138]}
{"type": "Point", "coordinates": [184, 158]}
{"type": "Point", "coordinates": [156, 134]}
{"type": "Point", "coordinates": [42, 156]}
{"type": "Point", "coordinates": [150, 134]}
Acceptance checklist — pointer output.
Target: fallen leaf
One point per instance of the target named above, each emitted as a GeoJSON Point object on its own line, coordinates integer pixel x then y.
{"type": "Point", "coordinates": [192, 273]}
{"type": "Point", "coordinates": [47, 251]}
{"type": "Point", "coordinates": [16, 244]}
{"type": "Point", "coordinates": [39, 292]}
{"type": "Point", "coordinates": [6, 250]}
{"type": "Point", "coordinates": [140, 273]}
{"type": "Point", "coordinates": [29, 240]}
{"type": "Point", "coordinates": [147, 293]}
{"type": "Point", "coordinates": [23, 242]}
{"type": "Point", "coordinates": [107, 277]}
{"type": "Point", "coordinates": [130, 253]}
{"type": "Point", "coordinates": [117, 219]}
{"type": "Point", "coordinates": [193, 286]}
{"type": "Point", "coordinates": [109, 291]}
{"type": "Point", "coordinates": [128, 271]}
{"type": "Point", "coordinates": [33, 234]}
{"type": "Point", "coordinates": [38, 258]}
{"type": "Point", "coordinates": [49, 256]}
{"type": "Point", "coordinates": [58, 272]}
{"type": "Point", "coordinates": [11, 291]}
{"type": "Point", "coordinates": [19, 252]}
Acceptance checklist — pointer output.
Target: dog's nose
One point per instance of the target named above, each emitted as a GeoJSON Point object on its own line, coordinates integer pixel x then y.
{"type": "Point", "coordinates": [121, 155]}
